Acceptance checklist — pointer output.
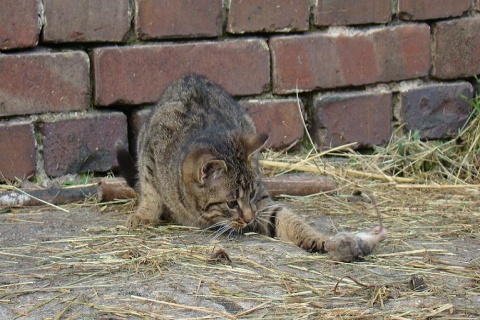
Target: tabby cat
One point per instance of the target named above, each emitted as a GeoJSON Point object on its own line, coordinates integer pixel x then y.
{"type": "Point", "coordinates": [198, 166]}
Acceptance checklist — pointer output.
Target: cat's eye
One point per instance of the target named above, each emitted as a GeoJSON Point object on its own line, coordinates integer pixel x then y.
{"type": "Point", "coordinates": [232, 204]}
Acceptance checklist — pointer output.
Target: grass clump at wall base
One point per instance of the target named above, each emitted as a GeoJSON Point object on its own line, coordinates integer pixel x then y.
{"type": "Point", "coordinates": [456, 161]}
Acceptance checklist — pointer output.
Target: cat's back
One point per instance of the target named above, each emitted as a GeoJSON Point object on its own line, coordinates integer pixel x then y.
{"type": "Point", "coordinates": [195, 102]}
{"type": "Point", "coordinates": [189, 107]}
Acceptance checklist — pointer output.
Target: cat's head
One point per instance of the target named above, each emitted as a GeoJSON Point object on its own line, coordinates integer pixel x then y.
{"type": "Point", "coordinates": [222, 182]}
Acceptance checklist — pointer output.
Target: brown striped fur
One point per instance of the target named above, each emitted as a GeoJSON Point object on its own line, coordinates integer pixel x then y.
{"type": "Point", "coordinates": [198, 166]}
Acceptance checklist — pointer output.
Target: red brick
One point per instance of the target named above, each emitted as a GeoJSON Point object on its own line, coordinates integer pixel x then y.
{"type": "Point", "coordinates": [158, 19]}
{"type": "Point", "coordinates": [456, 48]}
{"type": "Point", "coordinates": [360, 117]}
{"type": "Point", "coordinates": [44, 82]}
{"type": "Point", "coordinates": [18, 24]}
{"type": "Point", "coordinates": [347, 12]}
{"type": "Point", "coordinates": [86, 20]}
{"type": "Point", "coordinates": [328, 60]}
{"type": "Point", "coordinates": [138, 74]}
{"type": "Point", "coordinates": [83, 145]}
{"type": "Point", "coordinates": [280, 119]}
{"type": "Point", "coordinates": [435, 111]}
{"type": "Point", "coordinates": [432, 9]}
{"type": "Point", "coordinates": [268, 16]}
{"type": "Point", "coordinates": [17, 156]}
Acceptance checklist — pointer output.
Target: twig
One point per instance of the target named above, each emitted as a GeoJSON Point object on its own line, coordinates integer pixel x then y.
{"type": "Point", "coordinates": [303, 121]}
{"type": "Point", "coordinates": [260, 306]}
{"type": "Point", "coordinates": [62, 312]}
{"type": "Point", "coordinates": [413, 252]}
{"type": "Point", "coordinates": [318, 155]}
{"type": "Point", "coordinates": [354, 280]}
{"type": "Point", "coordinates": [437, 186]}
{"type": "Point", "coordinates": [379, 215]}
{"type": "Point", "coordinates": [439, 310]}
{"type": "Point", "coordinates": [350, 172]}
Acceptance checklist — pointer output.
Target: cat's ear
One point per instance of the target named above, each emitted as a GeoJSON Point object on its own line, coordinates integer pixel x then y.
{"type": "Point", "coordinates": [211, 169]}
{"type": "Point", "coordinates": [200, 166]}
{"type": "Point", "coordinates": [253, 142]}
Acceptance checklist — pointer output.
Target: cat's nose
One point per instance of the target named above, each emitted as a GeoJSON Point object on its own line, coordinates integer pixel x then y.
{"type": "Point", "coordinates": [247, 215]}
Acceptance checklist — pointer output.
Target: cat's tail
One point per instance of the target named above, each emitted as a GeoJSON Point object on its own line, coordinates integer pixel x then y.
{"type": "Point", "coordinates": [128, 170]}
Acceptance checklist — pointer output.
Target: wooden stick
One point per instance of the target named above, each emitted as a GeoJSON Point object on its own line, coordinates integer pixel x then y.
{"type": "Point", "coordinates": [18, 197]}
{"type": "Point", "coordinates": [289, 184]}
{"type": "Point", "coordinates": [298, 184]}
{"type": "Point", "coordinates": [110, 189]}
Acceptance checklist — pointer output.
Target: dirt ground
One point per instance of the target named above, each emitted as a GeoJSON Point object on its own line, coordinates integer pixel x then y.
{"type": "Point", "coordinates": [85, 265]}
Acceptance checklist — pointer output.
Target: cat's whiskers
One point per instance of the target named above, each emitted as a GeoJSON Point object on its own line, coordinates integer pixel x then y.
{"type": "Point", "coordinates": [219, 232]}
{"type": "Point", "coordinates": [230, 233]}
{"type": "Point", "coordinates": [264, 209]}
{"type": "Point", "coordinates": [260, 219]}
{"type": "Point", "coordinates": [204, 217]}
{"type": "Point", "coordinates": [213, 228]}
{"type": "Point", "coordinates": [217, 224]}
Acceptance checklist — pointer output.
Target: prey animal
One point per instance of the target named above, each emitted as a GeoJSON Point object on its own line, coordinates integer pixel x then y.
{"type": "Point", "coordinates": [197, 164]}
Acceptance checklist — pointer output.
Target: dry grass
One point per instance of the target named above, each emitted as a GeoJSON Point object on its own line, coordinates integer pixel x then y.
{"type": "Point", "coordinates": [428, 268]}
{"type": "Point", "coordinates": [405, 159]}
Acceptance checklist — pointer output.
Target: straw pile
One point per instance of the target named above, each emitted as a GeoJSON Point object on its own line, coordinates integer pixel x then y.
{"type": "Point", "coordinates": [428, 267]}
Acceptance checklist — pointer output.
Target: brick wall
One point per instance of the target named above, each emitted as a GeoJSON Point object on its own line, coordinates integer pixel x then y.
{"type": "Point", "coordinates": [77, 77]}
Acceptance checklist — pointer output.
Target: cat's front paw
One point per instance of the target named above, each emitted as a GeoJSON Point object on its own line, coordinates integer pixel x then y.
{"type": "Point", "coordinates": [346, 247]}
{"type": "Point", "coordinates": [312, 244]}
{"type": "Point", "coordinates": [135, 220]}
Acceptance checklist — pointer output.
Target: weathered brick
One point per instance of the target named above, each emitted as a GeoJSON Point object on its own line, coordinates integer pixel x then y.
{"type": "Point", "coordinates": [158, 19]}
{"type": "Point", "coordinates": [86, 20]}
{"type": "Point", "coordinates": [268, 16]}
{"type": "Point", "coordinates": [44, 82]}
{"type": "Point", "coordinates": [83, 145]}
{"type": "Point", "coordinates": [327, 60]}
{"type": "Point", "coordinates": [432, 9]}
{"type": "Point", "coordinates": [138, 74]}
{"type": "Point", "coordinates": [360, 117]}
{"type": "Point", "coordinates": [436, 111]}
{"type": "Point", "coordinates": [17, 156]}
{"type": "Point", "coordinates": [280, 119]}
{"type": "Point", "coordinates": [456, 48]}
{"type": "Point", "coordinates": [18, 24]}
{"type": "Point", "coordinates": [347, 12]}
